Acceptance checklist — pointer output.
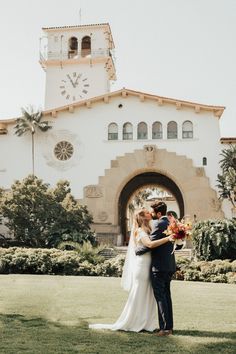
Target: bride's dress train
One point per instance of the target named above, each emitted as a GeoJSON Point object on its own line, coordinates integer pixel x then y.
{"type": "Point", "coordinates": [140, 311]}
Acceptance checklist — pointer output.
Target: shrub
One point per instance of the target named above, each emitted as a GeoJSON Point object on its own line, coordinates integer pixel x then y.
{"type": "Point", "coordinates": [215, 239]}
{"type": "Point", "coordinates": [54, 261]}
{"type": "Point", "coordinates": [233, 266]}
{"type": "Point", "coordinates": [221, 278]}
{"type": "Point", "coordinates": [231, 277]}
{"type": "Point", "coordinates": [192, 275]}
{"type": "Point", "coordinates": [86, 251]}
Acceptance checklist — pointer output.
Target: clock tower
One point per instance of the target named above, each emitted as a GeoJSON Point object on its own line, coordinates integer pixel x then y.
{"type": "Point", "coordinates": [78, 61]}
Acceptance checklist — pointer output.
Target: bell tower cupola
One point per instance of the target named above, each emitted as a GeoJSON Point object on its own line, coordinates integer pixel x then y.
{"type": "Point", "coordinates": [78, 61]}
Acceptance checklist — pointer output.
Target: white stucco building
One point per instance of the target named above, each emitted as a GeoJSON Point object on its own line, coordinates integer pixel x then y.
{"type": "Point", "coordinates": [109, 144]}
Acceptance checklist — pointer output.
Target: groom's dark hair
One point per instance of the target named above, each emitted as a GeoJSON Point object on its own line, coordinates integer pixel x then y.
{"type": "Point", "coordinates": [159, 207]}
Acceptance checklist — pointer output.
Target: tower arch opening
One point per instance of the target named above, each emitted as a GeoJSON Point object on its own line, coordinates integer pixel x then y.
{"type": "Point", "coordinates": [73, 47]}
{"type": "Point", "coordinates": [86, 46]}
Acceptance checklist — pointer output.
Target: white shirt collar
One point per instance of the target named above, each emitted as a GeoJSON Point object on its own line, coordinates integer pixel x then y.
{"type": "Point", "coordinates": [164, 216]}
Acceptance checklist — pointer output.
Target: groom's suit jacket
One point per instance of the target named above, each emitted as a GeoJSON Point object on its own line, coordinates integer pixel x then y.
{"type": "Point", "coordinates": [162, 258]}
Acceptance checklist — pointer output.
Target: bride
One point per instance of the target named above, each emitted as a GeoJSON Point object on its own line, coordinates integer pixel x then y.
{"type": "Point", "coordinates": [140, 311]}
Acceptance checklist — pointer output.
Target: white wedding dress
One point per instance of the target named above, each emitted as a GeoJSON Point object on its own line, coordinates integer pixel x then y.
{"type": "Point", "coordinates": [140, 311]}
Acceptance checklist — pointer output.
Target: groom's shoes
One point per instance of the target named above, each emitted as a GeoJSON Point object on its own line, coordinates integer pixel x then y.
{"type": "Point", "coordinates": [163, 333]}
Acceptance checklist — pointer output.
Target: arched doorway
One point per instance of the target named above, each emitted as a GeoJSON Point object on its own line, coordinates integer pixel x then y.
{"type": "Point", "coordinates": [145, 179]}
{"type": "Point", "coordinates": [189, 185]}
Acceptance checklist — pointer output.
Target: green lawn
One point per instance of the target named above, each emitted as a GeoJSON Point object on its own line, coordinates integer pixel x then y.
{"type": "Point", "coordinates": [50, 314]}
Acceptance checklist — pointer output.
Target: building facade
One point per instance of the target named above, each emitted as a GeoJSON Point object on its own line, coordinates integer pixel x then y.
{"type": "Point", "coordinates": [110, 144]}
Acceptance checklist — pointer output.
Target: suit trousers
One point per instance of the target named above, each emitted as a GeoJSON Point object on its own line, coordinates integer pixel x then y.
{"type": "Point", "coordinates": [161, 288]}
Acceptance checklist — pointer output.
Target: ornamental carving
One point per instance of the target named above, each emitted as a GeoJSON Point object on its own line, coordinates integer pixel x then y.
{"type": "Point", "coordinates": [102, 216]}
{"type": "Point", "coordinates": [93, 191]}
{"type": "Point", "coordinates": [149, 151]}
{"type": "Point", "coordinates": [63, 150]}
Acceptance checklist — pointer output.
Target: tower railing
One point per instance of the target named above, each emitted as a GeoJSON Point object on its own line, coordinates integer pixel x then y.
{"type": "Point", "coordinates": [74, 54]}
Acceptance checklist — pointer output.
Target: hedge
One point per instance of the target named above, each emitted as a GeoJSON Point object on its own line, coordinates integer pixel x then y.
{"type": "Point", "coordinates": [17, 260]}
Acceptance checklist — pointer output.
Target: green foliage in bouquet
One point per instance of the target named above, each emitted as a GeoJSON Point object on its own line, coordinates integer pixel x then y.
{"type": "Point", "coordinates": [215, 239]}
{"type": "Point", "coordinates": [40, 216]}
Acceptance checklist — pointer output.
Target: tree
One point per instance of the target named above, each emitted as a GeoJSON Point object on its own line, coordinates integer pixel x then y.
{"type": "Point", "coordinates": [227, 180]}
{"type": "Point", "coordinates": [214, 239]}
{"type": "Point", "coordinates": [141, 196]}
{"type": "Point", "coordinates": [41, 216]}
{"type": "Point", "coordinates": [29, 123]}
{"type": "Point", "coordinates": [139, 199]}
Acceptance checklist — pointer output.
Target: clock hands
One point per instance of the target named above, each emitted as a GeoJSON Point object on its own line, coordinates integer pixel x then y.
{"type": "Point", "coordinates": [78, 84]}
{"type": "Point", "coordinates": [76, 81]}
{"type": "Point", "coordinates": [72, 83]}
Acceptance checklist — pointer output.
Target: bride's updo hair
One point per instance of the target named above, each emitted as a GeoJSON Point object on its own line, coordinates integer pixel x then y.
{"type": "Point", "coordinates": [142, 222]}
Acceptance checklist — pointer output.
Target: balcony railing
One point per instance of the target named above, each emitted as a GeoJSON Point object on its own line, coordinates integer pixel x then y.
{"type": "Point", "coordinates": [74, 54]}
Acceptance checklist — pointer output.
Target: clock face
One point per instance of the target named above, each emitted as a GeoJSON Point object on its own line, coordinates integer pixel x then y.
{"type": "Point", "coordinates": [74, 86]}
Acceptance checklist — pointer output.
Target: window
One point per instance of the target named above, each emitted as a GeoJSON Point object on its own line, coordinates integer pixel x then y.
{"type": "Point", "coordinates": [172, 131]}
{"type": "Point", "coordinates": [86, 46]}
{"type": "Point", "coordinates": [204, 161]}
{"type": "Point", "coordinates": [142, 131]}
{"type": "Point", "coordinates": [113, 131]}
{"type": "Point", "coordinates": [73, 47]}
{"type": "Point", "coordinates": [157, 130]}
{"type": "Point", "coordinates": [127, 131]}
{"type": "Point", "coordinates": [63, 150]}
{"type": "Point", "coordinates": [187, 130]}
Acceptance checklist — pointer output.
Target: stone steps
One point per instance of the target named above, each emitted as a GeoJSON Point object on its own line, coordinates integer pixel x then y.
{"type": "Point", "coordinates": [185, 252]}
{"type": "Point", "coordinates": [108, 253]}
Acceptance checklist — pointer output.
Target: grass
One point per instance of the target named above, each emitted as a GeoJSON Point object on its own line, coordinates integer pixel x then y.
{"type": "Point", "coordinates": [50, 314]}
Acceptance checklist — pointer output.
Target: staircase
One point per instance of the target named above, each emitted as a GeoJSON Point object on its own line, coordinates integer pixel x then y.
{"type": "Point", "coordinates": [185, 252]}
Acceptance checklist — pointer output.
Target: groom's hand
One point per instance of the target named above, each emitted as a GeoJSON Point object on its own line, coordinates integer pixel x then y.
{"type": "Point", "coordinates": [141, 250]}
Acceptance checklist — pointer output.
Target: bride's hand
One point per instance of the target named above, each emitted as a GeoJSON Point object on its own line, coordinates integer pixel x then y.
{"type": "Point", "coordinates": [171, 239]}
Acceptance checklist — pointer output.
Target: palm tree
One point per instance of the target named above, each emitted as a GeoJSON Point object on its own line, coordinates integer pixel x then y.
{"type": "Point", "coordinates": [227, 180]}
{"type": "Point", "coordinates": [29, 123]}
{"type": "Point", "coordinates": [229, 158]}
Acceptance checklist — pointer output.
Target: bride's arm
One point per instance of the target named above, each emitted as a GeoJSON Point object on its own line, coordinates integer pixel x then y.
{"type": "Point", "coordinates": [153, 244]}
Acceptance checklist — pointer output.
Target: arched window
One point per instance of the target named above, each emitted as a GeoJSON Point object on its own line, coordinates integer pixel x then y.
{"type": "Point", "coordinates": [187, 130]}
{"type": "Point", "coordinates": [172, 130]}
{"type": "Point", "coordinates": [86, 46]}
{"type": "Point", "coordinates": [73, 47]}
{"type": "Point", "coordinates": [204, 161]}
{"type": "Point", "coordinates": [127, 131]}
{"type": "Point", "coordinates": [157, 130]}
{"type": "Point", "coordinates": [142, 131]}
{"type": "Point", "coordinates": [113, 131]}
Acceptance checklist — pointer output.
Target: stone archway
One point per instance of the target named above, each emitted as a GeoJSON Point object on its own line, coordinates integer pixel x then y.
{"type": "Point", "coordinates": [144, 179]}
{"type": "Point", "coordinates": [103, 199]}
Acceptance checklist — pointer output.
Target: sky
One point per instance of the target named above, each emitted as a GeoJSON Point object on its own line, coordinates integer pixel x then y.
{"type": "Point", "coordinates": [183, 49]}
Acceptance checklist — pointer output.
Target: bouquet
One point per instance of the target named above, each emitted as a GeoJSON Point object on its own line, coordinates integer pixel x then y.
{"type": "Point", "coordinates": [180, 231]}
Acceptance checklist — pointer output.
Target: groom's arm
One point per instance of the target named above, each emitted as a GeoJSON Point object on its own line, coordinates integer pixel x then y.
{"type": "Point", "coordinates": [155, 235]}
{"type": "Point", "coordinates": [141, 250]}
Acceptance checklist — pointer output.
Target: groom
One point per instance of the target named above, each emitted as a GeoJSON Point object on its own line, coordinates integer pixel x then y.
{"type": "Point", "coordinates": [162, 268]}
